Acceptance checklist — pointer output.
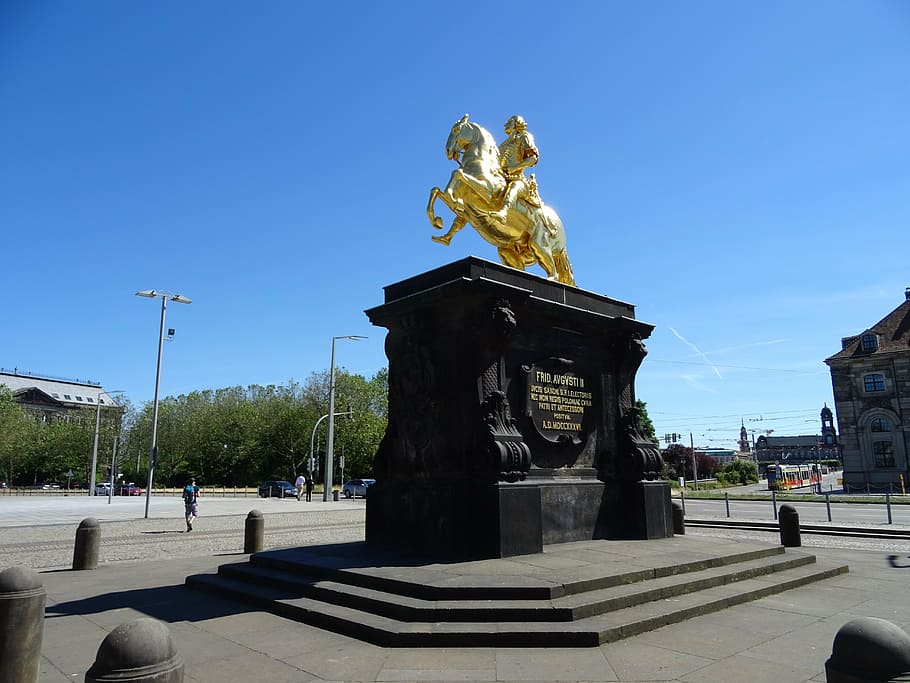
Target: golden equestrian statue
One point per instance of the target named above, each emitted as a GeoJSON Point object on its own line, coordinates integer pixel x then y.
{"type": "Point", "coordinates": [490, 191]}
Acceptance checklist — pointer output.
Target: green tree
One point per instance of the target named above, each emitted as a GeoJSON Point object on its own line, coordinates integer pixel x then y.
{"type": "Point", "coordinates": [237, 436]}
{"type": "Point", "coordinates": [16, 435]}
{"type": "Point", "coordinates": [646, 424]}
{"type": "Point", "coordinates": [738, 472]}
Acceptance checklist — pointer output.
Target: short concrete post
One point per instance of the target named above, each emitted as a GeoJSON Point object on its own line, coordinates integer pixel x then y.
{"type": "Point", "coordinates": [22, 598]}
{"type": "Point", "coordinates": [254, 532]}
{"type": "Point", "coordinates": [788, 519]}
{"type": "Point", "coordinates": [869, 649]}
{"type": "Point", "coordinates": [679, 525]}
{"type": "Point", "coordinates": [88, 540]}
{"type": "Point", "coordinates": [140, 651]}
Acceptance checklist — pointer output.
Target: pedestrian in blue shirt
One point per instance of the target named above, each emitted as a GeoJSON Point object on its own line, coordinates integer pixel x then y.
{"type": "Point", "coordinates": [190, 501]}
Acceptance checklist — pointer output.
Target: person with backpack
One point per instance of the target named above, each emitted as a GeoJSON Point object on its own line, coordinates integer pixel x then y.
{"type": "Point", "coordinates": [190, 501]}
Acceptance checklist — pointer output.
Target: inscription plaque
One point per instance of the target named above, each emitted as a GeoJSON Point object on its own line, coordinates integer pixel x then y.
{"type": "Point", "coordinates": [558, 400]}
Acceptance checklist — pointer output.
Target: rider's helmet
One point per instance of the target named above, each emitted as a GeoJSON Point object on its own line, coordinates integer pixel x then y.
{"type": "Point", "coordinates": [517, 123]}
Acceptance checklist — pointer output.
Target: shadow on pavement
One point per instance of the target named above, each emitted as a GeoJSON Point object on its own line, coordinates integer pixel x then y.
{"type": "Point", "coordinates": [167, 603]}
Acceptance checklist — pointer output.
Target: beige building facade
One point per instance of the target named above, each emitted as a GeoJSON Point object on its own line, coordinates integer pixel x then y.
{"type": "Point", "coordinates": [870, 376]}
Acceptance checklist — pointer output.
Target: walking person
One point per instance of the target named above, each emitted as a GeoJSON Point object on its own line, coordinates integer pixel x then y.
{"type": "Point", "coordinates": [300, 483]}
{"type": "Point", "coordinates": [309, 488]}
{"type": "Point", "coordinates": [191, 503]}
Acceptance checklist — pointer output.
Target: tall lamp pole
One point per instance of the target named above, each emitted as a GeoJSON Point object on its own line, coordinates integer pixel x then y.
{"type": "Point", "coordinates": [313, 436]}
{"type": "Point", "coordinates": [327, 486]}
{"type": "Point", "coordinates": [153, 451]}
{"type": "Point", "coordinates": [99, 401]}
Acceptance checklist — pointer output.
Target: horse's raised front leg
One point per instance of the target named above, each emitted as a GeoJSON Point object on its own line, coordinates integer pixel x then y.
{"type": "Point", "coordinates": [435, 221]}
{"type": "Point", "coordinates": [457, 225]}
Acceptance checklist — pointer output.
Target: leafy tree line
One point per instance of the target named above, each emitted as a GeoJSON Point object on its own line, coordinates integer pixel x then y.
{"type": "Point", "coordinates": [678, 462]}
{"type": "Point", "coordinates": [233, 436]}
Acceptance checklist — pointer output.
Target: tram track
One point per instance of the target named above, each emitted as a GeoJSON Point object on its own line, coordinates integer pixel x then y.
{"type": "Point", "coordinates": [898, 534]}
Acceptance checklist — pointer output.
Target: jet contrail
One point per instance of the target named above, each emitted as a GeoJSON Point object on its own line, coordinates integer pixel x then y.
{"type": "Point", "coordinates": [698, 351]}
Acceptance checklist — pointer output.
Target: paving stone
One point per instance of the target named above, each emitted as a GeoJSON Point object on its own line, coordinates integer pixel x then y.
{"type": "Point", "coordinates": [632, 660]}
{"type": "Point", "coordinates": [739, 668]}
{"type": "Point", "coordinates": [250, 666]}
{"type": "Point", "coordinates": [341, 663]}
{"type": "Point", "coordinates": [699, 637]}
{"type": "Point", "coordinates": [807, 647]}
{"type": "Point", "coordinates": [564, 665]}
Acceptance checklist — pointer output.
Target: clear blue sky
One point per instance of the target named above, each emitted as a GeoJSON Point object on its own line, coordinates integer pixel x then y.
{"type": "Point", "coordinates": [738, 171]}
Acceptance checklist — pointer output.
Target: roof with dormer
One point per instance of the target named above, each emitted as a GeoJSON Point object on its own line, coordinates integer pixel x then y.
{"type": "Point", "coordinates": [70, 393]}
{"type": "Point", "coordinates": [892, 335]}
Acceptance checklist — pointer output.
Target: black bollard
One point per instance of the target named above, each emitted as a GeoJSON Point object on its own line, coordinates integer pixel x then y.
{"type": "Point", "coordinates": [869, 649]}
{"type": "Point", "coordinates": [788, 518]}
{"type": "Point", "coordinates": [88, 540]}
{"type": "Point", "coordinates": [679, 525]}
{"type": "Point", "coordinates": [22, 598]}
{"type": "Point", "coordinates": [140, 651]}
{"type": "Point", "coordinates": [254, 532]}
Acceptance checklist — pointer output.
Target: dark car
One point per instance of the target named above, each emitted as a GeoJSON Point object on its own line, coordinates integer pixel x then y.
{"type": "Point", "coordinates": [357, 487]}
{"type": "Point", "coordinates": [277, 489]}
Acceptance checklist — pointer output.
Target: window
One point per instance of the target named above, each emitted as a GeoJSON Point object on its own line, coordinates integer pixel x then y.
{"type": "Point", "coordinates": [78, 398]}
{"type": "Point", "coordinates": [869, 342]}
{"type": "Point", "coordinates": [56, 395]}
{"type": "Point", "coordinates": [67, 397]}
{"type": "Point", "coordinates": [881, 424]}
{"type": "Point", "coordinates": [90, 399]}
{"type": "Point", "coordinates": [883, 452]}
{"type": "Point", "coordinates": [874, 382]}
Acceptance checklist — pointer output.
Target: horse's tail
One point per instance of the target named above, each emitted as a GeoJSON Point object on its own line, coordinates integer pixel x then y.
{"type": "Point", "coordinates": [563, 267]}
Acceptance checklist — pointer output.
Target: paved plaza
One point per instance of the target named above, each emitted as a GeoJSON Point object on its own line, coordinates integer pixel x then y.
{"type": "Point", "coordinates": [782, 638]}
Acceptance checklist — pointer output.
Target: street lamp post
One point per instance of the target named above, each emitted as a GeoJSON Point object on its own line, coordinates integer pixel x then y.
{"type": "Point", "coordinates": [313, 435]}
{"type": "Point", "coordinates": [153, 451]}
{"type": "Point", "coordinates": [327, 486]}
{"type": "Point", "coordinates": [91, 476]}
{"type": "Point", "coordinates": [98, 401]}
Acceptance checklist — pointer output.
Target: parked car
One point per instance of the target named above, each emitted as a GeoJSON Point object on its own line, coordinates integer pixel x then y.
{"type": "Point", "coordinates": [3, 485]}
{"type": "Point", "coordinates": [103, 488]}
{"type": "Point", "coordinates": [127, 490]}
{"type": "Point", "coordinates": [277, 489]}
{"type": "Point", "coordinates": [42, 486]}
{"type": "Point", "coordinates": [357, 487]}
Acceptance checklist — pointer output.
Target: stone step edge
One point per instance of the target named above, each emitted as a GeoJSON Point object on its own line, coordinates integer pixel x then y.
{"type": "Point", "coordinates": [568, 608]}
{"type": "Point", "coordinates": [429, 592]}
{"type": "Point", "coordinates": [588, 632]}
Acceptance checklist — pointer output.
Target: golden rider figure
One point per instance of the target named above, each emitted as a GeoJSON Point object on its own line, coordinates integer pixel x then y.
{"type": "Point", "coordinates": [516, 153]}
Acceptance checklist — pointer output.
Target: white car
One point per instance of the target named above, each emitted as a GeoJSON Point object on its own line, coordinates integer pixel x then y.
{"type": "Point", "coordinates": [103, 488]}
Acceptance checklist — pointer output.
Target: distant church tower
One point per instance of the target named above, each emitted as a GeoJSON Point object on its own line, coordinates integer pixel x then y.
{"type": "Point", "coordinates": [744, 439]}
{"type": "Point", "coordinates": [829, 434]}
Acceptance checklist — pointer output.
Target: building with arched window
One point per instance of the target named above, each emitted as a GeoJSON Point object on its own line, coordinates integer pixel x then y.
{"type": "Point", "coordinates": [871, 380]}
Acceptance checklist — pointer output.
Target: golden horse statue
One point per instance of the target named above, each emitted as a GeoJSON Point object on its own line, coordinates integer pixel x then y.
{"type": "Point", "coordinates": [531, 233]}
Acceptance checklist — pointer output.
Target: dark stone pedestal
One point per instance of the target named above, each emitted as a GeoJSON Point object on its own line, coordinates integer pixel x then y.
{"type": "Point", "coordinates": [463, 520]}
{"type": "Point", "coordinates": [511, 416]}
{"type": "Point", "coordinates": [649, 508]}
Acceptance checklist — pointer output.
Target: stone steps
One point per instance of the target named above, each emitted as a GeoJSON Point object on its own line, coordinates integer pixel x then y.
{"type": "Point", "coordinates": [468, 604]}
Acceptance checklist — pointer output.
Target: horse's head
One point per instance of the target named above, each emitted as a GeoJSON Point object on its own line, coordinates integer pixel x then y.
{"type": "Point", "coordinates": [462, 135]}
{"type": "Point", "coordinates": [472, 146]}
